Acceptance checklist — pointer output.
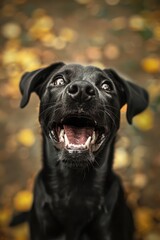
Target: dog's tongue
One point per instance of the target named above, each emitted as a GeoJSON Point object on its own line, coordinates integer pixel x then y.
{"type": "Point", "coordinates": [77, 135]}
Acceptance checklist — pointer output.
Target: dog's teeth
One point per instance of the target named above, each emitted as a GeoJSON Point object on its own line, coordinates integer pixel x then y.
{"type": "Point", "coordinates": [52, 132]}
{"type": "Point", "coordinates": [61, 136]}
{"type": "Point", "coordinates": [93, 137]}
{"type": "Point", "coordinates": [77, 147]}
{"type": "Point", "coordinates": [66, 140]}
{"type": "Point", "coordinates": [87, 143]}
{"type": "Point", "coordinates": [50, 135]}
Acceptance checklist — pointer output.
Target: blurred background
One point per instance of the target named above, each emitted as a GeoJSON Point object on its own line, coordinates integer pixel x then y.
{"type": "Point", "coordinates": [124, 35]}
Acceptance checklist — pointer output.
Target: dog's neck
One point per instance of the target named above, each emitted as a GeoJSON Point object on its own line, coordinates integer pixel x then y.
{"type": "Point", "coordinates": [57, 175]}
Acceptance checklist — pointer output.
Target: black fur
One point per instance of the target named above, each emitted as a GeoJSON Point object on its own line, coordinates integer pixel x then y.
{"type": "Point", "coordinates": [77, 196]}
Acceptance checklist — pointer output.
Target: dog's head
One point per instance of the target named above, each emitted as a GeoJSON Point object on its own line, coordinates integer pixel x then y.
{"type": "Point", "coordinates": [80, 107]}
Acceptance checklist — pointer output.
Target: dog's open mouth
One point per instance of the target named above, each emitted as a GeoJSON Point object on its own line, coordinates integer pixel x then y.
{"type": "Point", "coordinates": [78, 133]}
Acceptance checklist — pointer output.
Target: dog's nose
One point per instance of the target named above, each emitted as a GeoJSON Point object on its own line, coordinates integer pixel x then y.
{"type": "Point", "coordinates": [81, 91]}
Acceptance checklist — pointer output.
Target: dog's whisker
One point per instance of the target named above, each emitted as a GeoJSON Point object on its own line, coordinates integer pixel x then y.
{"type": "Point", "coordinates": [45, 110]}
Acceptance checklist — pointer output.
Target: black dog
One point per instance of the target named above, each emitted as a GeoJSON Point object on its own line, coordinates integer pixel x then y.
{"type": "Point", "coordinates": [77, 196]}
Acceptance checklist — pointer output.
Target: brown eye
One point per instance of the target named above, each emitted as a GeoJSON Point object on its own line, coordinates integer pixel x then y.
{"type": "Point", "coordinates": [107, 86]}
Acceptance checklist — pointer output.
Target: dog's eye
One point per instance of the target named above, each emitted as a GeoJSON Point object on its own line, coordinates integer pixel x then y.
{"type": "Point", "coordinates": [58, 82]}
{"type": "Point", "coordinates": [107, 86]}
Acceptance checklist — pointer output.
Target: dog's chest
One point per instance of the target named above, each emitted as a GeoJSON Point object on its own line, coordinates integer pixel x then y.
{"type": "Point", "coordinates": [77, 206]}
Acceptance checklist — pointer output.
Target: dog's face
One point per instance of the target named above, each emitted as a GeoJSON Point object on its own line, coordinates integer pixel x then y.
{"type": "Point", "coordinates": [80, 107]}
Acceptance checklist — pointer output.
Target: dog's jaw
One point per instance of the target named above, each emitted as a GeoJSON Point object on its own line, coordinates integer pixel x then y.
{"type": "Point", "coordinates": [78, 133]}
{"type": "Point", "coordinates": [77, 139]}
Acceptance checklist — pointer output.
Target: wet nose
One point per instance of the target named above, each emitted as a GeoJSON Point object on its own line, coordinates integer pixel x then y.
{"type": "Point", "coordinates": [81, 91]}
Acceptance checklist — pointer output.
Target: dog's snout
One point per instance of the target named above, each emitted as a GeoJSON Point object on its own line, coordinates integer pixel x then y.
{"type": "Point", "coordinates": [81, 91]}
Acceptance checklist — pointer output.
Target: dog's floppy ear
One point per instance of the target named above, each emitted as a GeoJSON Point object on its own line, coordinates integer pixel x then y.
{"type": "Point", "coordinates": [136, 97]}
{"type": "Point", "coordinates": [31, 81]}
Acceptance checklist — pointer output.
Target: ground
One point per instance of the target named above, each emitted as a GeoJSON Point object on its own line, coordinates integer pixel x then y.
{"type": "Point", "coordinates": [124, 35]}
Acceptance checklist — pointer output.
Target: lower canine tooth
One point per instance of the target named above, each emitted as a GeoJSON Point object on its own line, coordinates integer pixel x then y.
{"type": "Point", "coordinates": [66, 140]}
{"type": "Point", "coordinates": [88, 142]}
{"type": "Point", "coordinates": [93, 137]}
{"type": "Point", "coordinates": [61, 136]}
{"type": "Point", "coordinates": [50, 135]}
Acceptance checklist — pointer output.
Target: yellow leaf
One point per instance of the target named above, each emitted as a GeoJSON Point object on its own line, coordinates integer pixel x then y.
{"type": "Point", "coordinates": [26, 137]}
{"type": "Point", "coordinates": [154, 90]}
{"type": "Point", "coordinates": [28, 59]}
{"type": "Point", "coordinates": [45, 23]}
{"type": "Point", "coordinates": [59, 43]}
{"type": "Point", "coordinates": [48, 39]}
{"type": "Point", "coordinates": [93, 53]}
{"type": "Point", "coordinates": [121, 158]}
{"type": "Point", "coordinates": [38, 13]}
{"type": "Point", "coordinates": [143, 220]}
{"type": "Point", "coordinates": [11, 30]}
{"type": "Point", "coordinates": [151, 64]}
{"type": "Point", "coordinates": [137, 22]}
{"type": "Point", "coordinates": [140, 180]}
{"type": "Point", "coordinates": [111, 51]}
{"type": "Point", "coordinates": [41, 26]}
{"type": "Point", "coordinates": [68, 34]}
{"type": "Point", "coordinates": [20, 232]}
{"type": "Point", "coordinates": [9, 56]}
{"type": "Point", "coordinates": [5, 215]}
{"type": "Point", "coordinates": [14, 43]}
{"type": "Point", "coordinates": [23, 200]}
{"type": "Point", "coordinates": [119, 23]}
{"type": "Point", "coordinates": [144, 121]}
